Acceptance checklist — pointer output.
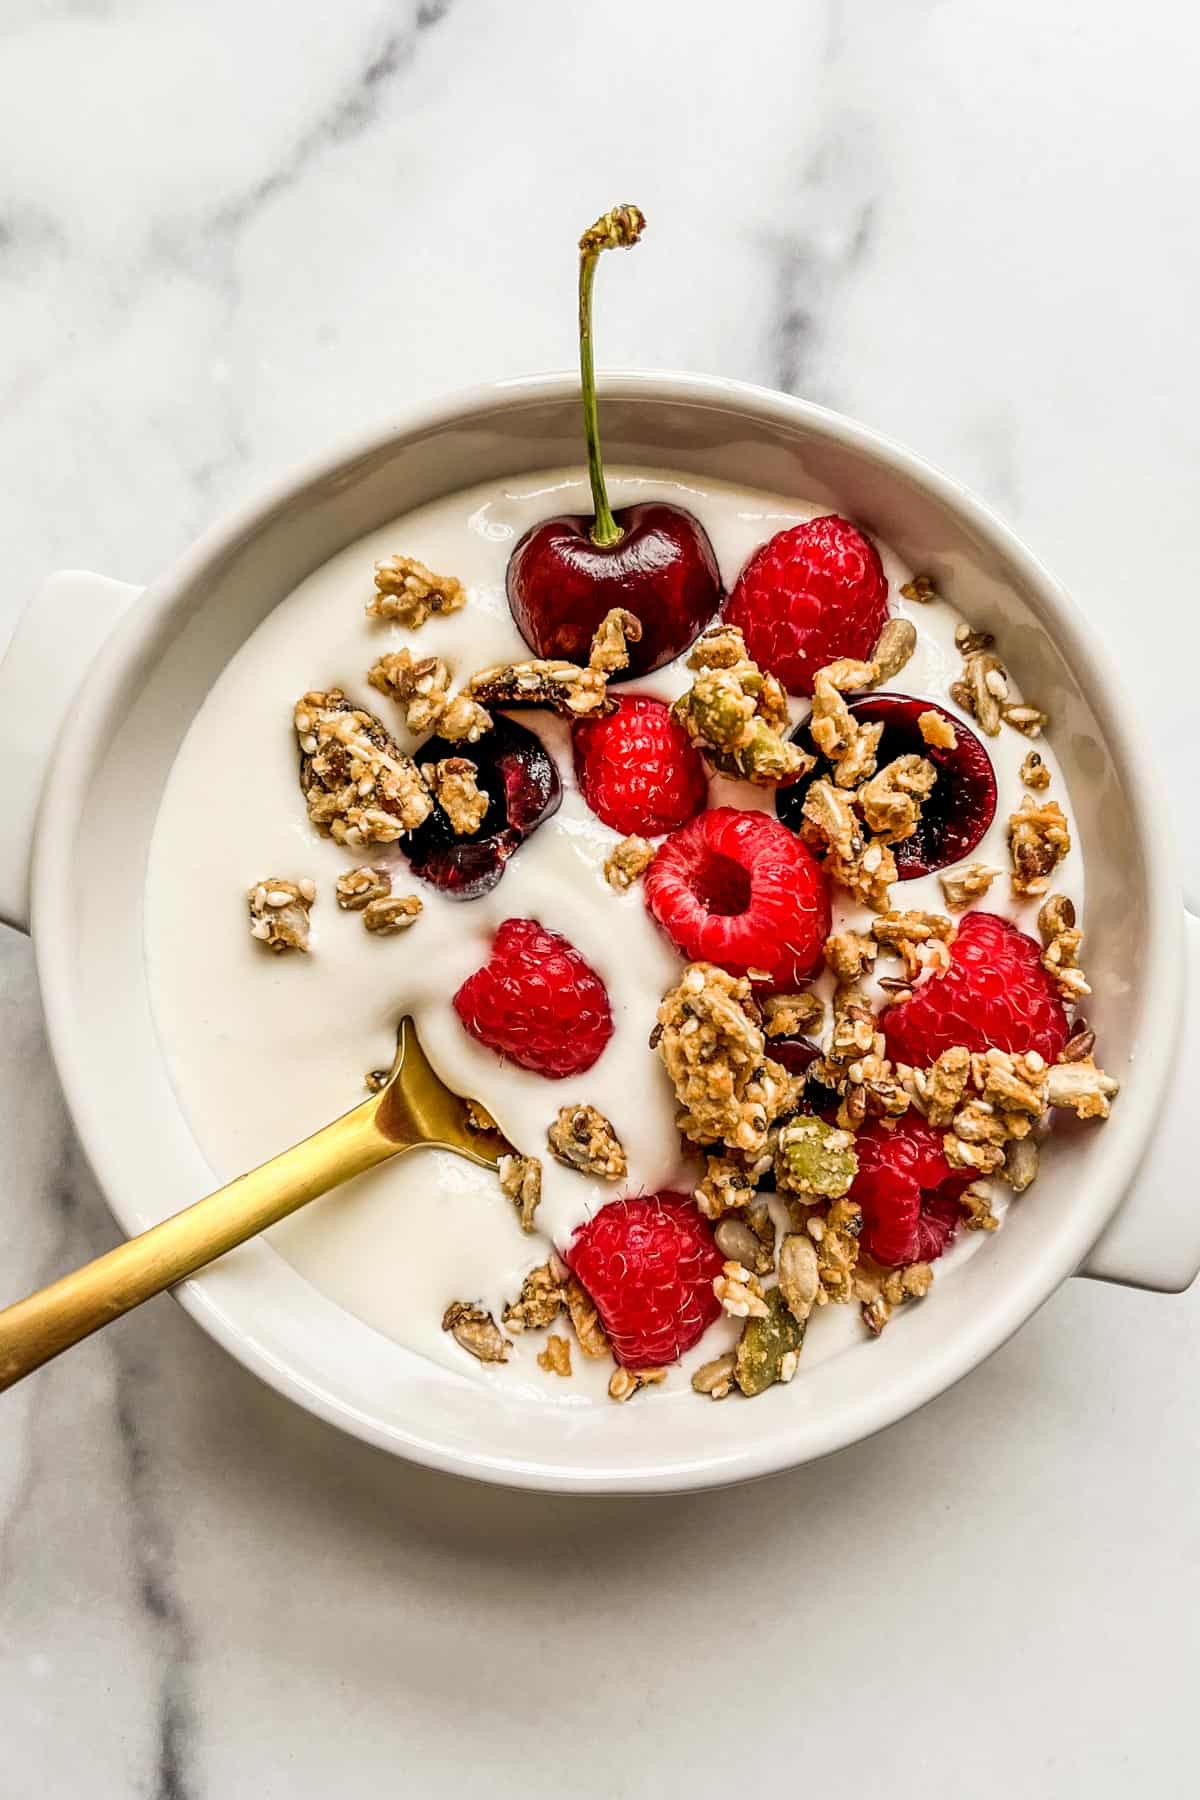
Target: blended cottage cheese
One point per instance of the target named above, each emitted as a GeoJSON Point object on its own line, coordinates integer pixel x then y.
{"type": "Point", "coordinates": [264, 1049]}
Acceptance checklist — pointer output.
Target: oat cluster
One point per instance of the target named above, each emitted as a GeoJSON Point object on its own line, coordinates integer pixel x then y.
{"type": "Point", "coordinates": [714, 1050]}
{"type": "Point", "coordinates": [359, 786]}
{"type": "Point", "coordinates": [736, 715]}
{"type": "Point", "coordinates": [407, 593]}
{"type": "Point", "coordinates": [279, 912]}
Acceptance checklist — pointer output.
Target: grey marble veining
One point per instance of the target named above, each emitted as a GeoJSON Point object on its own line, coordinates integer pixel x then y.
{"type": "Point", "coordinates": [230, 234]}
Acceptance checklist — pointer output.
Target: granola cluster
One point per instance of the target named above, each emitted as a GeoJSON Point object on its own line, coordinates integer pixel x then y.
{"type": "Point", "coordinates": [983, 690]}
{"type": "Point", "coordinates": [279, 912]}
{"type": "Point", "coordinates": [714, 1049]}
{"type": "Point", "coordinates": [359, 786]}
{"type": "Point", "coordinates": [583, 1139]}
{"type": "Point", "coordinates": [736, 715]}
{"type": "Point", "coordinates": [407, 593]}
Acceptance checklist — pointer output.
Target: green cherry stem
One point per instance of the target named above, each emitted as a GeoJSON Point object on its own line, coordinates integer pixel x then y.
{"type": "Point", "coordinates": [619, 229]}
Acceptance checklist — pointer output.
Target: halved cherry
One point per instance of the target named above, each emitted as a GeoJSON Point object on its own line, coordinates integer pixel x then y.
{"type": "Point", "coordinates": [522, 788]}
{"type": "Point", "coordinates": [959, 809]}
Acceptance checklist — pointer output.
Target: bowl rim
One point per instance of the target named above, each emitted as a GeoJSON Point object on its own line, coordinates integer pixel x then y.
{"type": "Point", "coordinates": [81, 748]}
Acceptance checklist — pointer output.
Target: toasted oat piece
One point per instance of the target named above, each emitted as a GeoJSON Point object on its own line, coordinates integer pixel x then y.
{"type": "Point", "coordinates": [618, 629]}
{"type": "Point", "coordinates": [834, 1230]}
{"type": "Point", "coordinates": [961, 886]}
{"type": "Point", "coordinates": [850, 954]}
{"type": "Point", "coordinates": [476, 1331]}
{"type": "Point", "coordinates": [359, 786]}
{"type": "Point", "coordinates": [521, 1180]}
{"type": "Point", "coordinates": [714, 1050]}
{"type": "Point", "coordinates": [627, 862]}
{"type": "Point", "coordinates": [921, 939]}
{"type": "Point", "coordinates": [891, 801]}
{"type": "Point", "coordinates": [457, 791]}
{"type": "Point", "coordinates": [396, 913]}
{"type": "Point", "coordinates": [408, 593]}
{"type": "Point", "coordinates": [715, 1378]}
{"type": "Point", "coordinates": [921, 588]}
{"type": "Point", "coordinates": [881, 1294]}
{"type": "Point", "coordinates": [464, 721]}
{"type": "Point", "coordinates": [978, 1209]}
{"type": "Point", "coordinates": [358, 887]}
{"type": "Point", "coordinates": [585, 1320]}
{"type": "Point", "coordinates": [1082, 1087]}
{"type": "Point", "coordinates": [983, 690]}
{"type": "Point", "coordinates": [541, 1299]}
{"type": "Point", "coordinates": [792, 1015]}
{"type": "Point", "coordinates": [1038, 838]}
{"type": "Point", "coordinates": [937, 730]}
{"type": "Point", "coordinates": [626, 1382]}
{"type": "Point", "coordinates": [1030, 720]}
{"type": "Point", "coordinates": [420, 684]}
{"type": "Point", "coordinates": [849, 745]}
{"type": "Point", "coordinates": [279, 912]}
{"type": "Point", "coordinates": [583, 1139]}
{"type": "Point", "coordinates": [556, 1357]}
{"type": "Point", "coordinates": [866, 867]}
{"type": "Point", "coordinates": [564, 687]}
{"type": "Point", "coordinates": [1034, 772]}
{"type": "Point", "coordinates": [729, 1183]}
{"type": "Point", "coordinates": [739, 1292]}
{"type": "Point", "coordinates": [1061, 938]}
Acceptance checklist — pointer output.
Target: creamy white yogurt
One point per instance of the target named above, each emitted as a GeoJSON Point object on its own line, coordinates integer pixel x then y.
{"type": "Point", "coordinates": [264, 1049]}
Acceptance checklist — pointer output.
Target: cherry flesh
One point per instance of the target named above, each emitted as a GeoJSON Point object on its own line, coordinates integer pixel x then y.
{"type": "Point", "coordinates": [522, 788]}
{"type": "Point", "coordinates": [962, 803]}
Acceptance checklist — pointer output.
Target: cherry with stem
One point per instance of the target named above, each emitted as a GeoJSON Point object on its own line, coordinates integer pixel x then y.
{"type": "Point", "coordinates": [653, 558]}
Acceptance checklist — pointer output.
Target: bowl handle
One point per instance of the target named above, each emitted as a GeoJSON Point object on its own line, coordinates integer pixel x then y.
{"type": "Point", "coordinates": [1154, 1240]}
{"type": "Point", "coordinates": [55, 642]}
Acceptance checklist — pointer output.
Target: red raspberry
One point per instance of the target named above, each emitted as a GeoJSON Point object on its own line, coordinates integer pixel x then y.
{"type": "Point", "coordinates": [648, 1263]}
{"type": "Point", "coordinates": [908, 1192]}
{"type": "Point", "coordinates": [737, 889]}
{"type": "Point", "coordinates": [995, 994]}
{"type": "Point", "coordinates": [637, 768]}
{"type": "Point", "coordinates": [537, 1002]}
{"type": "Point", "coordinates": [808, 595]}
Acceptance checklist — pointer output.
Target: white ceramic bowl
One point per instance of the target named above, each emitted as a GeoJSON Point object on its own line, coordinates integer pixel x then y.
{"type": "Point", "coordinates": [113, 705]}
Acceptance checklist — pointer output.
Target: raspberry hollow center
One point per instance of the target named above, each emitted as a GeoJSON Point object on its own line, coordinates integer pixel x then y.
{"type": "Point", "coordinates": [722, 886]}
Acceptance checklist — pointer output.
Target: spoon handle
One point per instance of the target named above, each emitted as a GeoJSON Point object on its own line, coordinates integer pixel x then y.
{"type": "Point", "coordinates": [38, 1328]}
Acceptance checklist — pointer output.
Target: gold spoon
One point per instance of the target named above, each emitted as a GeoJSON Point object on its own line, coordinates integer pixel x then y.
{"type": "Point", "coordinates": [413, 1110]}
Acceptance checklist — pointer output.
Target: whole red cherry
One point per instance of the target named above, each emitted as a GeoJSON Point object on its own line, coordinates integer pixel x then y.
{"type": "Point", "coordinates": [654, 559]}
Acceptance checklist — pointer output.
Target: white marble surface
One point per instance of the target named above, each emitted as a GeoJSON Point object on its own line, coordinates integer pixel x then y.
{"type": "Point", "coordinates": [229, 233]}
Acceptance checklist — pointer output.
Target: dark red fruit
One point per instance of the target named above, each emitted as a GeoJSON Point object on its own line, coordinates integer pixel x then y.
{"type": "Point", "coordinates": [995, 994]}
{"type": "Point", "coordinates": [809, 595]}
{"type": "Point", "coordinates": [537, 1002]}
{"type": "Point", "coordinates": [962, 803]}
{"type": "Point", "coordinates": [637, 768]}
{"type": "Point", "coordinates": [522, 788]}
{"type": "Point", "coordinates": [648, 1264]}
{"type": "Point", "coordinates": [662, 569]}
{"type": "Point", "coordinates": [796, 1054]}
{"type": "Point", "coordinates": [907, 1190]}
{"type": "Point", "coordinates": [736, 889]}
